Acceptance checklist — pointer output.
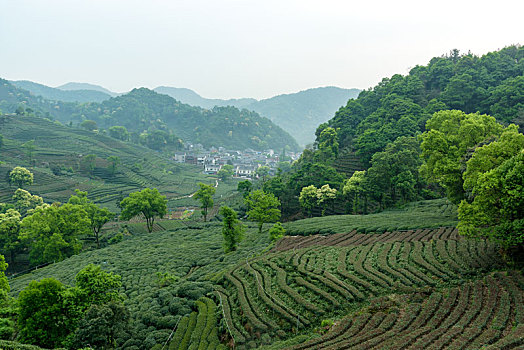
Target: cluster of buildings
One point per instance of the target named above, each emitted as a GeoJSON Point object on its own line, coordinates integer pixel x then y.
{"type": "Point", "coordinates": [245, 163]}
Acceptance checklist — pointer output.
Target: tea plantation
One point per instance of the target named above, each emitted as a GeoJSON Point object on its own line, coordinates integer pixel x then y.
{"type": "Point", "coordinates": [57, 160]}
{"type": "Point", "coordinates": [352, 288]}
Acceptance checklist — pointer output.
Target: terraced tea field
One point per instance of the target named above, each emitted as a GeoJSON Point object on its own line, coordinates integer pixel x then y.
{"type": "Point", "coordinates": [487, 313]}
{"type": "Point", "coordinates": [63, 148]}
{"type": "Point", "coordinates": [418, 289]}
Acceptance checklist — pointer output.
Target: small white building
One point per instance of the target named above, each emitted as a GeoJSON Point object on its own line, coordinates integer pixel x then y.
{"type": "Point", "coordinates": [212, 168]}
{"type": "Point", "coordinates": [245, 170]}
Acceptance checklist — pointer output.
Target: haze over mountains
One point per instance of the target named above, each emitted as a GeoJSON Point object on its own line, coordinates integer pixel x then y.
{"type": "Point", "coordinates": [306, 109]}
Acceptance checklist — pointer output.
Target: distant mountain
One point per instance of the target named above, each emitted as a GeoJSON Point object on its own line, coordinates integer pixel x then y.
{"type": "Point", "coordinates": [298, 113]}
{"type": "Point", "coordinates": [190, 97]}
{"type": "Point", "coordinates": [85, 86]}
{"type": "Point", "coordinates": [301, 113]}
{"type": "Point", "coordinates": [55, 94]}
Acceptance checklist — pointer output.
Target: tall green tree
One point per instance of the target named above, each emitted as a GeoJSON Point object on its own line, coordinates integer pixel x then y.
{"type": "Point", "coordinates": [354, 189]}
{"type": "Point", "coordinates": [20, 176]}
{"type": "Point", "coordinates": [263, 207]}
{"type": "Point", "coordinates": [98, 216]}
{"type": "Point", "coordinates": [308, 199]}
{"type": "Point", "coordinates": [244, 187]}
{"type": "Point", "coordinates": [325, 196]}
{"type": "Point", "coordinates": [114, 161]}
{"type": "Point", "coordinates": [205, 196]}
{"type": "Point", "coordinates": [25, 201]}
{"type": "Point", "coordinates": [148, 202]}
{"type": "Point", "coordinates": [232, 229]}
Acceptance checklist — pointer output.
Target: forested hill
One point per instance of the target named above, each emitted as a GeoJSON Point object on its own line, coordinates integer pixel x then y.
{"type": "Point", "coordinates": [399, 106]}
{"type": "Point", "coordinates": [143, 110]}
{"type": "Point", "coordinates": [306, 108]}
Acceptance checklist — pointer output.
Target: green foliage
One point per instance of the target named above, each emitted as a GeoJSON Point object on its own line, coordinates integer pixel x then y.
{"type": "Point", "coordinates": [354, 189]}
{"type": "Point", "coordinates": [47, 313]}
{"type": "Point", "coordinates": [244, 187]}
{"type": "Point", "coordinates": [276, 232]}
{"type": "Point", "coordinates": [226, 172]}
{"type": "Point", "coordinates": [263, 172]}
{"type": "Point", "coordinates": [448, 137]}
{"type": "Point", "coordinates": [114, 161]}
{"type": "Point", "coordinates": [328, 144]}
{"type": "Point", "coordinates": [9, 229]}
{"type": "Point", "coordinates": [193, 254]}
{"type": "Point", "coordinates": [232, 230]}
{"type": "Point", "coordinates": [119, 132]}
{"type": "Point", "coordinates": [53, 232]}
{"type": "Point", "coordinates": [98, 217]}
{"type": "Point", "coordinates": [309, 198]}
{"type": "Point", "coordinates": [50, 312]}
{"type": "Point", "coordinates": [100, 326]}
{"type": "Point", "coordinates": [400, 105]}
{"type": "Point", "coordinates": [205, 196]}
{"type": "Point", "coordinates": [148, 202]}
{"type": "Point", "coordinates": [20, 176]}
{"type": "Point", "coordinates": [393, 177]}
{"type": "Point", "coordinates": [263, 207]}
{"type": "Point", "coordinates": [497, 210]}
{"type": "Point", "coordinates": [25, 201]}
{"type": "Point", "coordinates": [89, 163]}
{"type": "Point", "coordinates": [89, 125]}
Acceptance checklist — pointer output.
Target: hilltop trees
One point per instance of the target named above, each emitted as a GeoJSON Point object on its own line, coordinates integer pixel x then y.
{"type": "Point", "coordinates": [20, 176]}
{"type": "Point", "coordinates": [148, 202]}
{"type": "Point", "coordinates": [205, 196]}
{"type": "Point", "coordinates": [263, 207]}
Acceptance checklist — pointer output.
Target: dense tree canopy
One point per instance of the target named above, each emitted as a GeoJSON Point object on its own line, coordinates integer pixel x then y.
{"type": "Point", "coordinates": [148, 202]}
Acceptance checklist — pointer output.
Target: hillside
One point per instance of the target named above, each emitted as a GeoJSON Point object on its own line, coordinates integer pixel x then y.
{"type": "Point", "coordinates": [307, 108]}
{"type": "Point", "coordinates": [57, 163]}
{"type": "Point", "coordinates": [143, 110]}
{"type": "Point", "coordinates": [55, 94]}
{"type": "Point", "coordinates": [400, 105]}
{"type": "Point", "coordinates": [377, 288]}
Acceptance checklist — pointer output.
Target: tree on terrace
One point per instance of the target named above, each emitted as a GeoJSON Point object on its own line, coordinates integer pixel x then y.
{"type": "Point", "coordinates": [205, 196]}
{"type": "Point", "coordinates": [263, 207]}
{"type": "Point", "coordinates": [148, 202]}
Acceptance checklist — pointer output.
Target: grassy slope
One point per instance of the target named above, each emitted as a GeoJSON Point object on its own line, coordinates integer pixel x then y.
{"type": "Point", "coordinates": [63, 146]}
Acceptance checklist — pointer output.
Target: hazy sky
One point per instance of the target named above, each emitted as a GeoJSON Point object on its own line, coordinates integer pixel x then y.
{"type": "Point", "coordinates": [242, 48]}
